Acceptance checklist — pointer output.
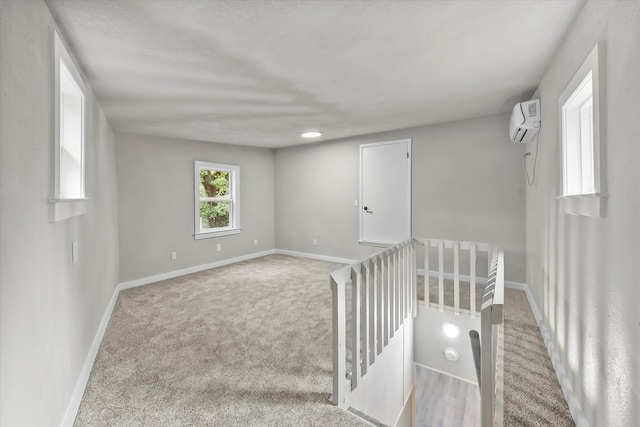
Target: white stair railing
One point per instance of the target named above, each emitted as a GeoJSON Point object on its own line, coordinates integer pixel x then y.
{"type": "Point", "coordinates": [447, 252]}
{"type": "Point", "coordinates": [375, 298]}
{"type": "Point", "coordinates": [382, 293]}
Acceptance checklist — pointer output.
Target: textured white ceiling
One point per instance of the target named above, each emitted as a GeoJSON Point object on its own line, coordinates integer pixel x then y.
{"type": "Point", "coordinates": [260, 72]}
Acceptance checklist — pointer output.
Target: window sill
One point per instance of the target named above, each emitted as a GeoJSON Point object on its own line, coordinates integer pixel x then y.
{"type": "Point", "coordinates": [61, 209]}
{"type": "Point", "coordinates": [219, 233]}
{"type": "Point", "coordinates": [593, 205]}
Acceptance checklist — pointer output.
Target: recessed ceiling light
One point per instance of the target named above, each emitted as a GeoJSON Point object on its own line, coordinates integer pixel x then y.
{"type": "Point", "coordinates": [451, 330]}
{"type": "Point", "coordinates": [451, 354]}
{"type": "Point", "coordinates": [310, 134]}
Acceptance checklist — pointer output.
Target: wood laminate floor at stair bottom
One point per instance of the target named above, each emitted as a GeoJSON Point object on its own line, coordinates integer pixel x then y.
{"type": "Point", "coordinates": [444, 401]}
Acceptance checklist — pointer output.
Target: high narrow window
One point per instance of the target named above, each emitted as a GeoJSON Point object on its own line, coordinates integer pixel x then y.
{"type": "Point", "coordinates": [71, 136]}
{"type": "Point", "coordinates": [217, 204]}
{"type": "Point", "coordinates": [68, 198]}
{"type": "Point", "coordinates": [577, 140]}
{"type": "Point", "coordinates": [582, 135]}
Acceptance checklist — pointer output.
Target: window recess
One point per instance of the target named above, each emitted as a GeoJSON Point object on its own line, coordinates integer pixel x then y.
{"type": "Point", "coordinates": [68, 197]}
{"type": "Point", "coordinates": [582, 135]}
{"type": "Point", "coordinates": [217, 199]}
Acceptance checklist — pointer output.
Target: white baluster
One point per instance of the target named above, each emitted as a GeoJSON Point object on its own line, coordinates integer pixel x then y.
{"type": "Point", "coordinates": [371, 290]}
{"type": "Point", "coordinates": [339, 350]}
{"type": "Point", "coordinates": [426, 273]}
{"type": "Point", "coordinates": [390, 296]}
{"type": "Point", "coordinates": [472, 280]}
{"type": "Point", "coordinates": [456, 278]}
{"type": "Point", "coordinates": [356, 369]}
{"type": "Point", "coordinates": [379, 304]}
{"type": "Point", "coordinates": [441, 275]}
{"type": "Point", "coordinates": [364, 322]}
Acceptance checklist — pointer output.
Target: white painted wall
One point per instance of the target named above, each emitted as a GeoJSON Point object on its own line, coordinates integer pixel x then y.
{"type": "Point", "coordinates": [467, 184]}
{"type": "Point", "coordinates": [50, 309]}
{"type": "Point", "coordinates": [583, 272]}
{"type": "Point", "coordinates": [155, 197]}
{"type": "Point", "coordinates": [383, 391]}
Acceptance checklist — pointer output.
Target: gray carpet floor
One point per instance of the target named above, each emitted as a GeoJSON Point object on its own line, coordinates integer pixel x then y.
{"type": "Point", "coordinates": [244, 345]}
{"type": "Point", "coordinates": [448, 287]}
{"type": "Point", "coordinates": [250, 345]}
{"type": "Point", "coordinates": [532, 393]}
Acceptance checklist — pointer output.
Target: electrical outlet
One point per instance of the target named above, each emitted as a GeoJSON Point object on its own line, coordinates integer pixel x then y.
{"type": "Point", "coordinates": [174, 256]}
{"type": "Point", "coordinates": [315, 242]}
{"type": "Point", "coordinates": [255, 242]}
{"type": "Point", "coordinates": [219, 247]}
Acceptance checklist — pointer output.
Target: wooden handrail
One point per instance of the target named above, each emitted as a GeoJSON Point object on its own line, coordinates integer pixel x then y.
{"type": "Point", "coordinates": [491, 343]}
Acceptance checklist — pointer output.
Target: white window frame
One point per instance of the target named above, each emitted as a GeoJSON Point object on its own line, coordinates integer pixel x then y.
{"type": "Point", "coordinates": [62, 206]}
{"type": "Point", "coordinates": [233, 199]}
{"type": "Point", "coordinates": [583, 151]}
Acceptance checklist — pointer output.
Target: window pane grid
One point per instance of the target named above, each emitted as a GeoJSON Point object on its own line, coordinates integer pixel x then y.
{"type": "Point", "coordinates": [583, 138]}
{"type": "Point", "coordinates": [215, 215]}
{"type": "Point", "coordinates": [579, 176]}
{"type": "Point", "coordinates": [71, 179]}
{"type": "Point", "coordinates": [586, 146]}
{"type": "Point", "coordinates": [215, 199]}
{"type": "Point", "coordinates": [216, 204]}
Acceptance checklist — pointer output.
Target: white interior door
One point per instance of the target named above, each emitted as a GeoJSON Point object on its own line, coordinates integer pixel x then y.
{"type": "Point", "coordinates": [385, 192]}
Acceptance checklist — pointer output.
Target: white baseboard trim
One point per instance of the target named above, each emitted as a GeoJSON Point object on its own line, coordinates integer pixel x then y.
{"type": "Point", "coordinates": [563, 379]}
{"type": "Point", "coordinates": [515, 285]}
{"type": "Point", "coordinates": [479, 280]}
{"type": "Point", "coordinates": [81, 384]}
{"type": "Point", "coordinates": [410, 400]}
{"type": "Point", "coordinates": [449, 276]}
{"type": "Point", "coordinates": [316, 257]}
{"type": "Point", "coordinates": [189, 270]}
{"type": "Point", "coordinates": [85, 372]}
{"type": "Point", "coordinates": [446, 373]}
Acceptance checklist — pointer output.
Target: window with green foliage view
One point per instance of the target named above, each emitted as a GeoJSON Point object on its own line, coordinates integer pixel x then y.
{"type": "Point", "coordinates": [214, 199]}
{"type": "Point", "coordinates": [217, 203]}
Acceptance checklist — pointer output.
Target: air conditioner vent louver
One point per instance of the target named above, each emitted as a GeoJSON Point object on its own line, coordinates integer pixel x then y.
{"type": "Point", "coordinates": [525, 121]}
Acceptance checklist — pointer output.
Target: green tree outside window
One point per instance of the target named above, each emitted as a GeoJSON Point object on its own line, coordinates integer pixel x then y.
{"type": "Point", "coordinates": [214, 184]}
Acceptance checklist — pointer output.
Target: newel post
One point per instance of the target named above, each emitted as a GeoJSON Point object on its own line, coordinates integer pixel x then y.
{"type": "Point", "coordinates": [339, 350]}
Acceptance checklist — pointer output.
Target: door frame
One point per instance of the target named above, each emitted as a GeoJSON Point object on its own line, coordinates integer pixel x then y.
{"type": "Point", "coordinates": [361, 209]}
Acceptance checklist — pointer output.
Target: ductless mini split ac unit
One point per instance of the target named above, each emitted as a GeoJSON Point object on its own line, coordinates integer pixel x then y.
{"type": "Point", "coordinates": [525, 121]}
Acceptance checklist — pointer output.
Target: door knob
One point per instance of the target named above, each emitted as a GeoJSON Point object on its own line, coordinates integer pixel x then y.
{"type": "Point", "coordinates": [366, 209]}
